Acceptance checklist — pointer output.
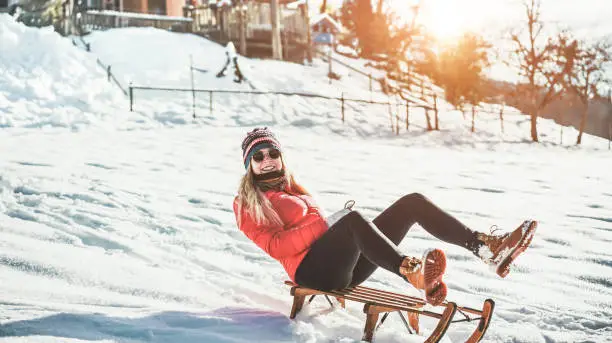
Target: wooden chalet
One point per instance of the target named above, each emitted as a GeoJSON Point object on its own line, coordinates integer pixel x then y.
{"type": "Point", "coordinates": [225, 22]}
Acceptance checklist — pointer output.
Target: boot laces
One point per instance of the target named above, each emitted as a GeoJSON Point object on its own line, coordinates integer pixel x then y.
{"type": "Point", "coordinates": [410, 265]}
{"type": "Point", "coordinates": [349, 204]}
{"type": "Point", "coordinates": [492, 240]}
{"type": "Point", "coordinates": [493, 229]}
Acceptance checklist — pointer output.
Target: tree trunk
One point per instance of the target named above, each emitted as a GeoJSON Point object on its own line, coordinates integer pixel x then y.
{"type": "Point", "coordinates": [379, 7]}
{"type": "Point", "coordinates": [534, 127]}
{"type": "Point", "coordinates": [585, 112]}
{"type": "Point", "coordinates": [323, 8]}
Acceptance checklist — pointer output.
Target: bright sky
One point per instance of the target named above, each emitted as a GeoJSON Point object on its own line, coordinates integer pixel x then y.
{"type": "Point", "coordinates": [451, 17]}
{"type": "Point", "coordinates": [448, 19]}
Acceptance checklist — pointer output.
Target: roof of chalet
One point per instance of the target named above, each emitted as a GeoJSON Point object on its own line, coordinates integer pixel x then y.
{"type": "Point", "coordinates": [317, 18]}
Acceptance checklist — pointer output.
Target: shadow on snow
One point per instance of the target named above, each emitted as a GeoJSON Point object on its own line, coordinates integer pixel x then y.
{"type": "Point", "coordinates": [222, 325]}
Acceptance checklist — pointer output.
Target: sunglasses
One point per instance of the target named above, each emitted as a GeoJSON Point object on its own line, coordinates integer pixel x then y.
{"type": "Point", "coordinates": [259, 156]}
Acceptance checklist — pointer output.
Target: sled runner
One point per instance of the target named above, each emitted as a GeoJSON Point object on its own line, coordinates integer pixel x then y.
{"type": "Point", "coordinates": [377, 301]}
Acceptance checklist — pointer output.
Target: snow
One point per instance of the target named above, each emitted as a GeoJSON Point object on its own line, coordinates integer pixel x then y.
{"type": "Point", "coordinates": [116, 226]}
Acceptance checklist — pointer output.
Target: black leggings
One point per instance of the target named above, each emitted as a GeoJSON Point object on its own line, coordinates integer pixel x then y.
{"type": "Point", "coordinates": [351, 250]}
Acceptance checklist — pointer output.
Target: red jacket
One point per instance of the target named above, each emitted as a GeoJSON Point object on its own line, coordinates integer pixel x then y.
{"type": "Point", "coordinates": [289, 244]}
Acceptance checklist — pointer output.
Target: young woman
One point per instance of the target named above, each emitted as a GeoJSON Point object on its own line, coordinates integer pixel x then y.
{"type": "Point", "coordinates": [343, 250]}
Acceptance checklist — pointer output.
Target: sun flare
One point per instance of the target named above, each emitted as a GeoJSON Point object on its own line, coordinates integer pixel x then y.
{"type": "Point", "coordinates": [446, 19]}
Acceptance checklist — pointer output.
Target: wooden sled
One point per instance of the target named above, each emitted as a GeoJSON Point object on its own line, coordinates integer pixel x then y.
{"type": "Point", "coordinates": [376, 302]}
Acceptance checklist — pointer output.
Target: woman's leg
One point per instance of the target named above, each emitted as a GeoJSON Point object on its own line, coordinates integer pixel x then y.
{"type": "Point", "coordinates": [395, 221]}
{"type": "Point", "coordinates": [353, 248]}
{"type": "Point", "coordinates": [332, 259]}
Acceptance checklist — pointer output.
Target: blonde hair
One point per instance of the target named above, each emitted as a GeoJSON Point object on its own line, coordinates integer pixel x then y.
{"type": "Point", "coordinates": [254, 202]}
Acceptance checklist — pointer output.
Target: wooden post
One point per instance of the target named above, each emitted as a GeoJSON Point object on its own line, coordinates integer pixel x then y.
{"type": "Point", "coordinates": [241, 29]}
{"type": "Point", "coordinates": [108, 73]}
{"type": "Point", "coordinates": [501, 117]}
{"type": "Point", "coordinates": [308, 33]}
{"type": "Point", "coordinates": [277, 49]}
{"type": "Point", "coordinates": [422, 89]}
{"type": "Point", "coordinates": [329, 60]}
{"type": "Point", "coordinates": [473, 115]}
{"type": "Point", "coordinates": [436, 111]}
{"type": "Point", "coordinates": [407, 115]}
{"type": "Point", "coordinates": [429, 128]}
{"type": "Point", "coordinates": [396, 122]}
{"type": "Point", "coordinates": [561, 124]}
{"type": "Point", "coordinates": [284, 35]}
{"type": "Point", "coordinates": [390, 115]}
{"type": "Point", "coordinates": [226, 23]}
{"type": "Point", "coordinates": [188, 12]}
{"type": "Point", "coordinates": [131, 98]}
{"type": "Point", "coordinates": [342, 101]}
{"type": "Point", "coordinates": [397, 110]}
{"type": "Point", "coordinates": [370, 77]}
{"type": "Point", "coordinates": [193, 105]}
{"type": "Point", "coordinates": [210, 99]}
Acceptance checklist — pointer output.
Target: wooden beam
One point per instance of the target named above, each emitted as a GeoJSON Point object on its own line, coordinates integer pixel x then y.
{"type": "Point", "coordinates": [277, 48]}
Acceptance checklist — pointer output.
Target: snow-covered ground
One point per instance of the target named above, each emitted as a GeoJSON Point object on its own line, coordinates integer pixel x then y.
{"type": "Point", "coordinates": [116, 226]}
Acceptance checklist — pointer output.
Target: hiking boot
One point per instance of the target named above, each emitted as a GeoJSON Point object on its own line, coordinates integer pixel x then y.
{"type": "Point", "coordinates": [426, 274]}
{"type": "Point", "coordinates": [501, 250]}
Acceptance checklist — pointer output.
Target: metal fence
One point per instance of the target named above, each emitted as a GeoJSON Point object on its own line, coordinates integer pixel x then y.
{"type": "Point", "coordinates": [342, 101]}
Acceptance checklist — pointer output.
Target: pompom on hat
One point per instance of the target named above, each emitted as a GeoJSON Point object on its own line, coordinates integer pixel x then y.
{"type": "Point", "coordinates": [259, 138]}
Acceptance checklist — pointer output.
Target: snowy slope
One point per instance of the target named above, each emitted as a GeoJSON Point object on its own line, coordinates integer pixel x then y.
{"type": "Point", "coordinates": [120, 228]}
{"type": "Point", "coordinates": [47, 82]}
{"type": "Point", "coordinates": [136, 58]}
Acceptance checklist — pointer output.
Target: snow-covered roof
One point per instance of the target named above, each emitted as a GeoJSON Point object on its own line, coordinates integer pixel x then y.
{"type": "Point", "coordinates": [296, 4]}
{"type": "Point", "coordinates": [317, 18]}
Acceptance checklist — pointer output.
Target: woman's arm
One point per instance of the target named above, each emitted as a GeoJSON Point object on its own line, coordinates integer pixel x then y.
{"type": "Point", "coordinates": [280, 242]}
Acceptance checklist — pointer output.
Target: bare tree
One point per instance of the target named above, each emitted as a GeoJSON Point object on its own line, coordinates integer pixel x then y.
{"type": "Point", "coordinates": [538, 64]}
{"type": "Point", "coordinates": [587, 74]}
{"type": "Point", "coordinates": [379, 6]}
{"type": "Point", "coordinates": [323, 7]}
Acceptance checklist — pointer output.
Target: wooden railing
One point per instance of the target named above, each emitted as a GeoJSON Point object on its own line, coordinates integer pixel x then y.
{"type": "Point", "coordinates": [256, 16]}
{"type": "Point", "coordinates": [101, 20]}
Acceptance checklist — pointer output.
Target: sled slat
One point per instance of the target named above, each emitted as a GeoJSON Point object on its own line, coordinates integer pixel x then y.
{"type": "Point", "coordinates": [367, 297]}
{"type": "Point", "coordinates": [386, 296]}
{"type": "Point", "coordinates": [401, 296]}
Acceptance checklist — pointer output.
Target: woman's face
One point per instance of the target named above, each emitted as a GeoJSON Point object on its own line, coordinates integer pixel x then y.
{"type": "Point", "coordinates": [266, 160]}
